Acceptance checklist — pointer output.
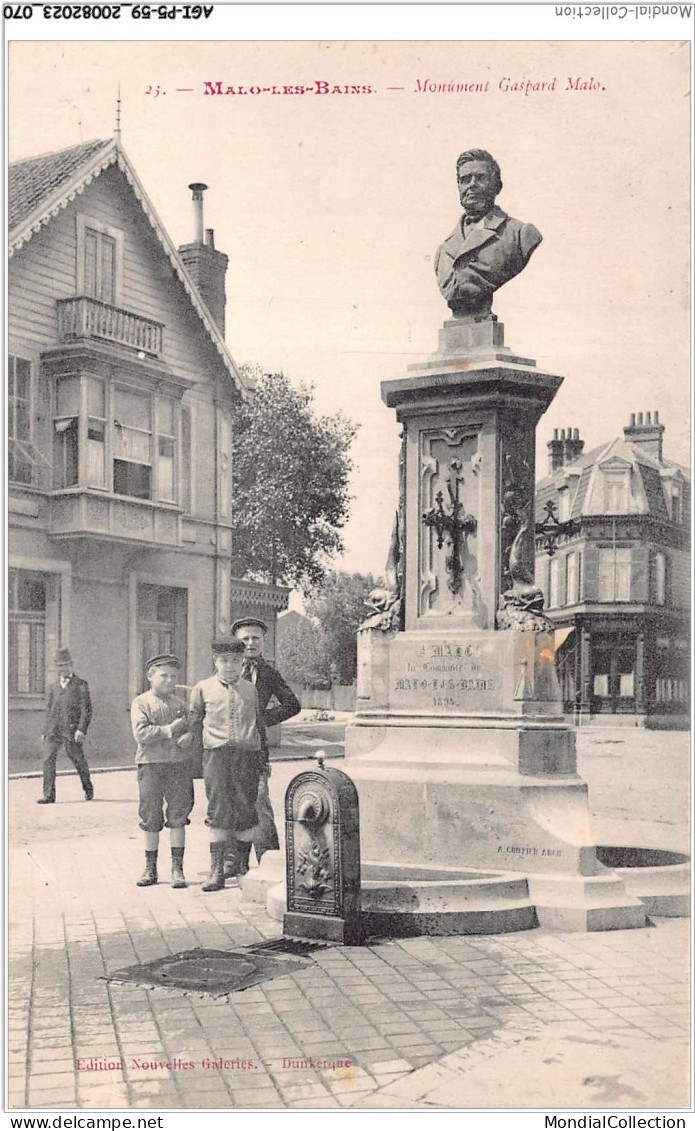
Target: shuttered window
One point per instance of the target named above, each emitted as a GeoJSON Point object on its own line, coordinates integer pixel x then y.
{"type": "Point", "coordinates": [99, 258]}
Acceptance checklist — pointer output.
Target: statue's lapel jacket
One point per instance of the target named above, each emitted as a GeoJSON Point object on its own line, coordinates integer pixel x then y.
{"type": "Point", "coordinates": [456, 245]}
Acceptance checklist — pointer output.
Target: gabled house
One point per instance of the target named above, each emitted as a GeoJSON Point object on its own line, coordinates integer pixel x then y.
{"type": "Point", "coordinates": [121, 403]}
{"type": "Point", "coordinates": [618, 588]}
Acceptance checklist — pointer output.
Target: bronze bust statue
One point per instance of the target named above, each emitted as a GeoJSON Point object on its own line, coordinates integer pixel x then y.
{"type": "Point", "coordinates": [487, 247]}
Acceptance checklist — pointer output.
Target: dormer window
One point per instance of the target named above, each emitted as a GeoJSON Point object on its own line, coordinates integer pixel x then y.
{"type": "Point", "coordinates": [676, 503]}
{"type": "Point", "coordinates": [563, 503]}
{"type": "Point", "coordinates": [616, 495]}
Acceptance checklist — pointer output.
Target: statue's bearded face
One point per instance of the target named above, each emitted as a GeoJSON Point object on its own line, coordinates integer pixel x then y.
{"type": "Point", "coordinates": [477, 188]}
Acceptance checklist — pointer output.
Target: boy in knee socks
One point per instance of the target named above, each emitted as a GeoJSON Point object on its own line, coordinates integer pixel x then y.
{"type": "Point", "coordinates": [160, 728]}
{"type": "Point", "coordinates": [224, 709]}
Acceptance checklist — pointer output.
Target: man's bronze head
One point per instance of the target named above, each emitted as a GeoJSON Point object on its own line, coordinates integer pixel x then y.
{"type": "Point", "coordinates": [479, 181]}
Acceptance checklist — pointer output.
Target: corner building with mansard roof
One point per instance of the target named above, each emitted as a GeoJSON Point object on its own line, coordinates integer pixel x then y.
{"type": "Point", "coordinates": [618, 587]}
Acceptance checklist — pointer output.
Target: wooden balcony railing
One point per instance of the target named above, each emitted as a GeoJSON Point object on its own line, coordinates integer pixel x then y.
{"type": "Point", "coordinates": [88, 318]}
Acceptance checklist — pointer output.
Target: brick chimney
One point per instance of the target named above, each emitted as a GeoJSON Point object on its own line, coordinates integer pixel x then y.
{"type": "Point", "coordinates": [206, 266]}
{"type": "Point", "coordinates": [565, 447]}
{"type": "Point", "coordinates": [573, 445]}
{"type": "Point", "coordinates": [645, 432]}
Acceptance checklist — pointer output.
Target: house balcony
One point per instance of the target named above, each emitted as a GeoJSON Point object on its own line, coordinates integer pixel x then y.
{"type": "Point", "coordinates": [83, 513]}
{"type": "Point", "coordinates": [82, 317]}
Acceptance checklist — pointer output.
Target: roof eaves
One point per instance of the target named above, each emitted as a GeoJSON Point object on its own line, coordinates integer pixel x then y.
{"type": "Point", "coordinates": [63, 195]}
{"type": "Point", "coordinates": [111, 154]}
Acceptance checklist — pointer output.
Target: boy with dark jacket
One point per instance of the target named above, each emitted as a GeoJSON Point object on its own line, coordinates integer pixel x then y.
{"type": "Point", "coordinates": [269, 686]}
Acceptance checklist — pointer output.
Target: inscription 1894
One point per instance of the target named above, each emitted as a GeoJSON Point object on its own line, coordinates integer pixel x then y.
{"type": "Point", "coordinates": [444, 674]}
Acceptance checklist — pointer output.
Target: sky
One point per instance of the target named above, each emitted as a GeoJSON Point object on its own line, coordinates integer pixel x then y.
{"type": "Point", "coordinates": [330, 207]}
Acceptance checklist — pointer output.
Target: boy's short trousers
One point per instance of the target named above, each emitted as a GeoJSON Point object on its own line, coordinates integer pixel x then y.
{"type": "Point", "coordinates": [160, 782]}
{"type": "Point", "coordinates": [231, 784]}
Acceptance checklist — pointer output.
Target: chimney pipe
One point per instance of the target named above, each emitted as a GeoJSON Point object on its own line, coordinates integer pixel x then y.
{"type": "Point", "coordinates": [206, 265]}
{"type": "Point", "coordinates": [198, 188]}
{"type": "Point", "coordinates": [572, 447]}
{"type": "Point", "coordinates": [555, 455]}
{"type": "Point", "coordinates": [646, 433]}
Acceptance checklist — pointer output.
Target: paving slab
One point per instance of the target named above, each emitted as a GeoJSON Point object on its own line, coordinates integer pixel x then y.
{"type": "Point", "coordinates": [560, 1068]}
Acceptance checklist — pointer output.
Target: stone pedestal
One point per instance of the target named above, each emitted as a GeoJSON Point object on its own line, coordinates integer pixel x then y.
{"type": "Point", "coordinates": [458, 748]}
{"type": "Point", "coordinates": [469, 421]}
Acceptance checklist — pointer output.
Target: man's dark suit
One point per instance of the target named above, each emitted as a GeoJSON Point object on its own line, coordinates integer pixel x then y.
{"type": "Point", "coordinates": [69, 710]}
{"type": "Point", "coordinates": [270, 684]}
{"type": "Point", "coordinates": [470, 267]}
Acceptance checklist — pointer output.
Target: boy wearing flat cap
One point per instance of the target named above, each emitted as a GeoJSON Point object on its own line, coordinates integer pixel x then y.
{"type": "Point", "coordinates": [165, 768]}
{"type": "Point", "coordinates": [224, 711]}
{"type": "Point", "coordinates": [269, 686]}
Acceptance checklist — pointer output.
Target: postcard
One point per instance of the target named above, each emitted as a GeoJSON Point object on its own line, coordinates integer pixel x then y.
{"type": "Point", "coordinates": [448, 274]}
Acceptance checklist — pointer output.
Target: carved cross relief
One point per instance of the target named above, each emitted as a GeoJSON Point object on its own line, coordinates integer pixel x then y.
{"type": "Point", "coordinates": [450, 464]}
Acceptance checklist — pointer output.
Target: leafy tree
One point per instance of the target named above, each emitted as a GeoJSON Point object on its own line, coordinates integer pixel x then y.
{"type": "Point", "coordinates": [338, 608]}
{"type": "Point", "coordinates": [301, 655]}
{"type": "Point", "coordinates": [290, 473]}
{"type": "Point", "coordinates": [321, 647]}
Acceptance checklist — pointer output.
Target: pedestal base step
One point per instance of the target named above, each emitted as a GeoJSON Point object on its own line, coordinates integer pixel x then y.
{"type": "Point", "coordinates": [585, 903]}
{"type": "Point", "coordinates": [658, 877]}
{"type": "Point", "coordinates": [401, 902]}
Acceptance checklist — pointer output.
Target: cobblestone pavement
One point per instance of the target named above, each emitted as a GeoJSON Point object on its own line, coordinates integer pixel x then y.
{"type": "Point", "coordinates": [529, 1019]}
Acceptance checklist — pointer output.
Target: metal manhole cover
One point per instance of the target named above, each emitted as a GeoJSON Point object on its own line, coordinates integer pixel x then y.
{"type": "Point", "coordinates": [216, 972]}
{"type": "Point", "coordinates": [197, 972]}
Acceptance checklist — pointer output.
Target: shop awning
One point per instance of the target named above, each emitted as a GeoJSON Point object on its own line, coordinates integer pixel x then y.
{"type": "Point", "coordinates": [562, 635]}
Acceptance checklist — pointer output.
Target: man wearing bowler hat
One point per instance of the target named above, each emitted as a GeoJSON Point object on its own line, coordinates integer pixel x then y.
{"type": "Point", "coordinates": [68, 715]}
{"type": "Point", "coordinates": [269, 685]}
